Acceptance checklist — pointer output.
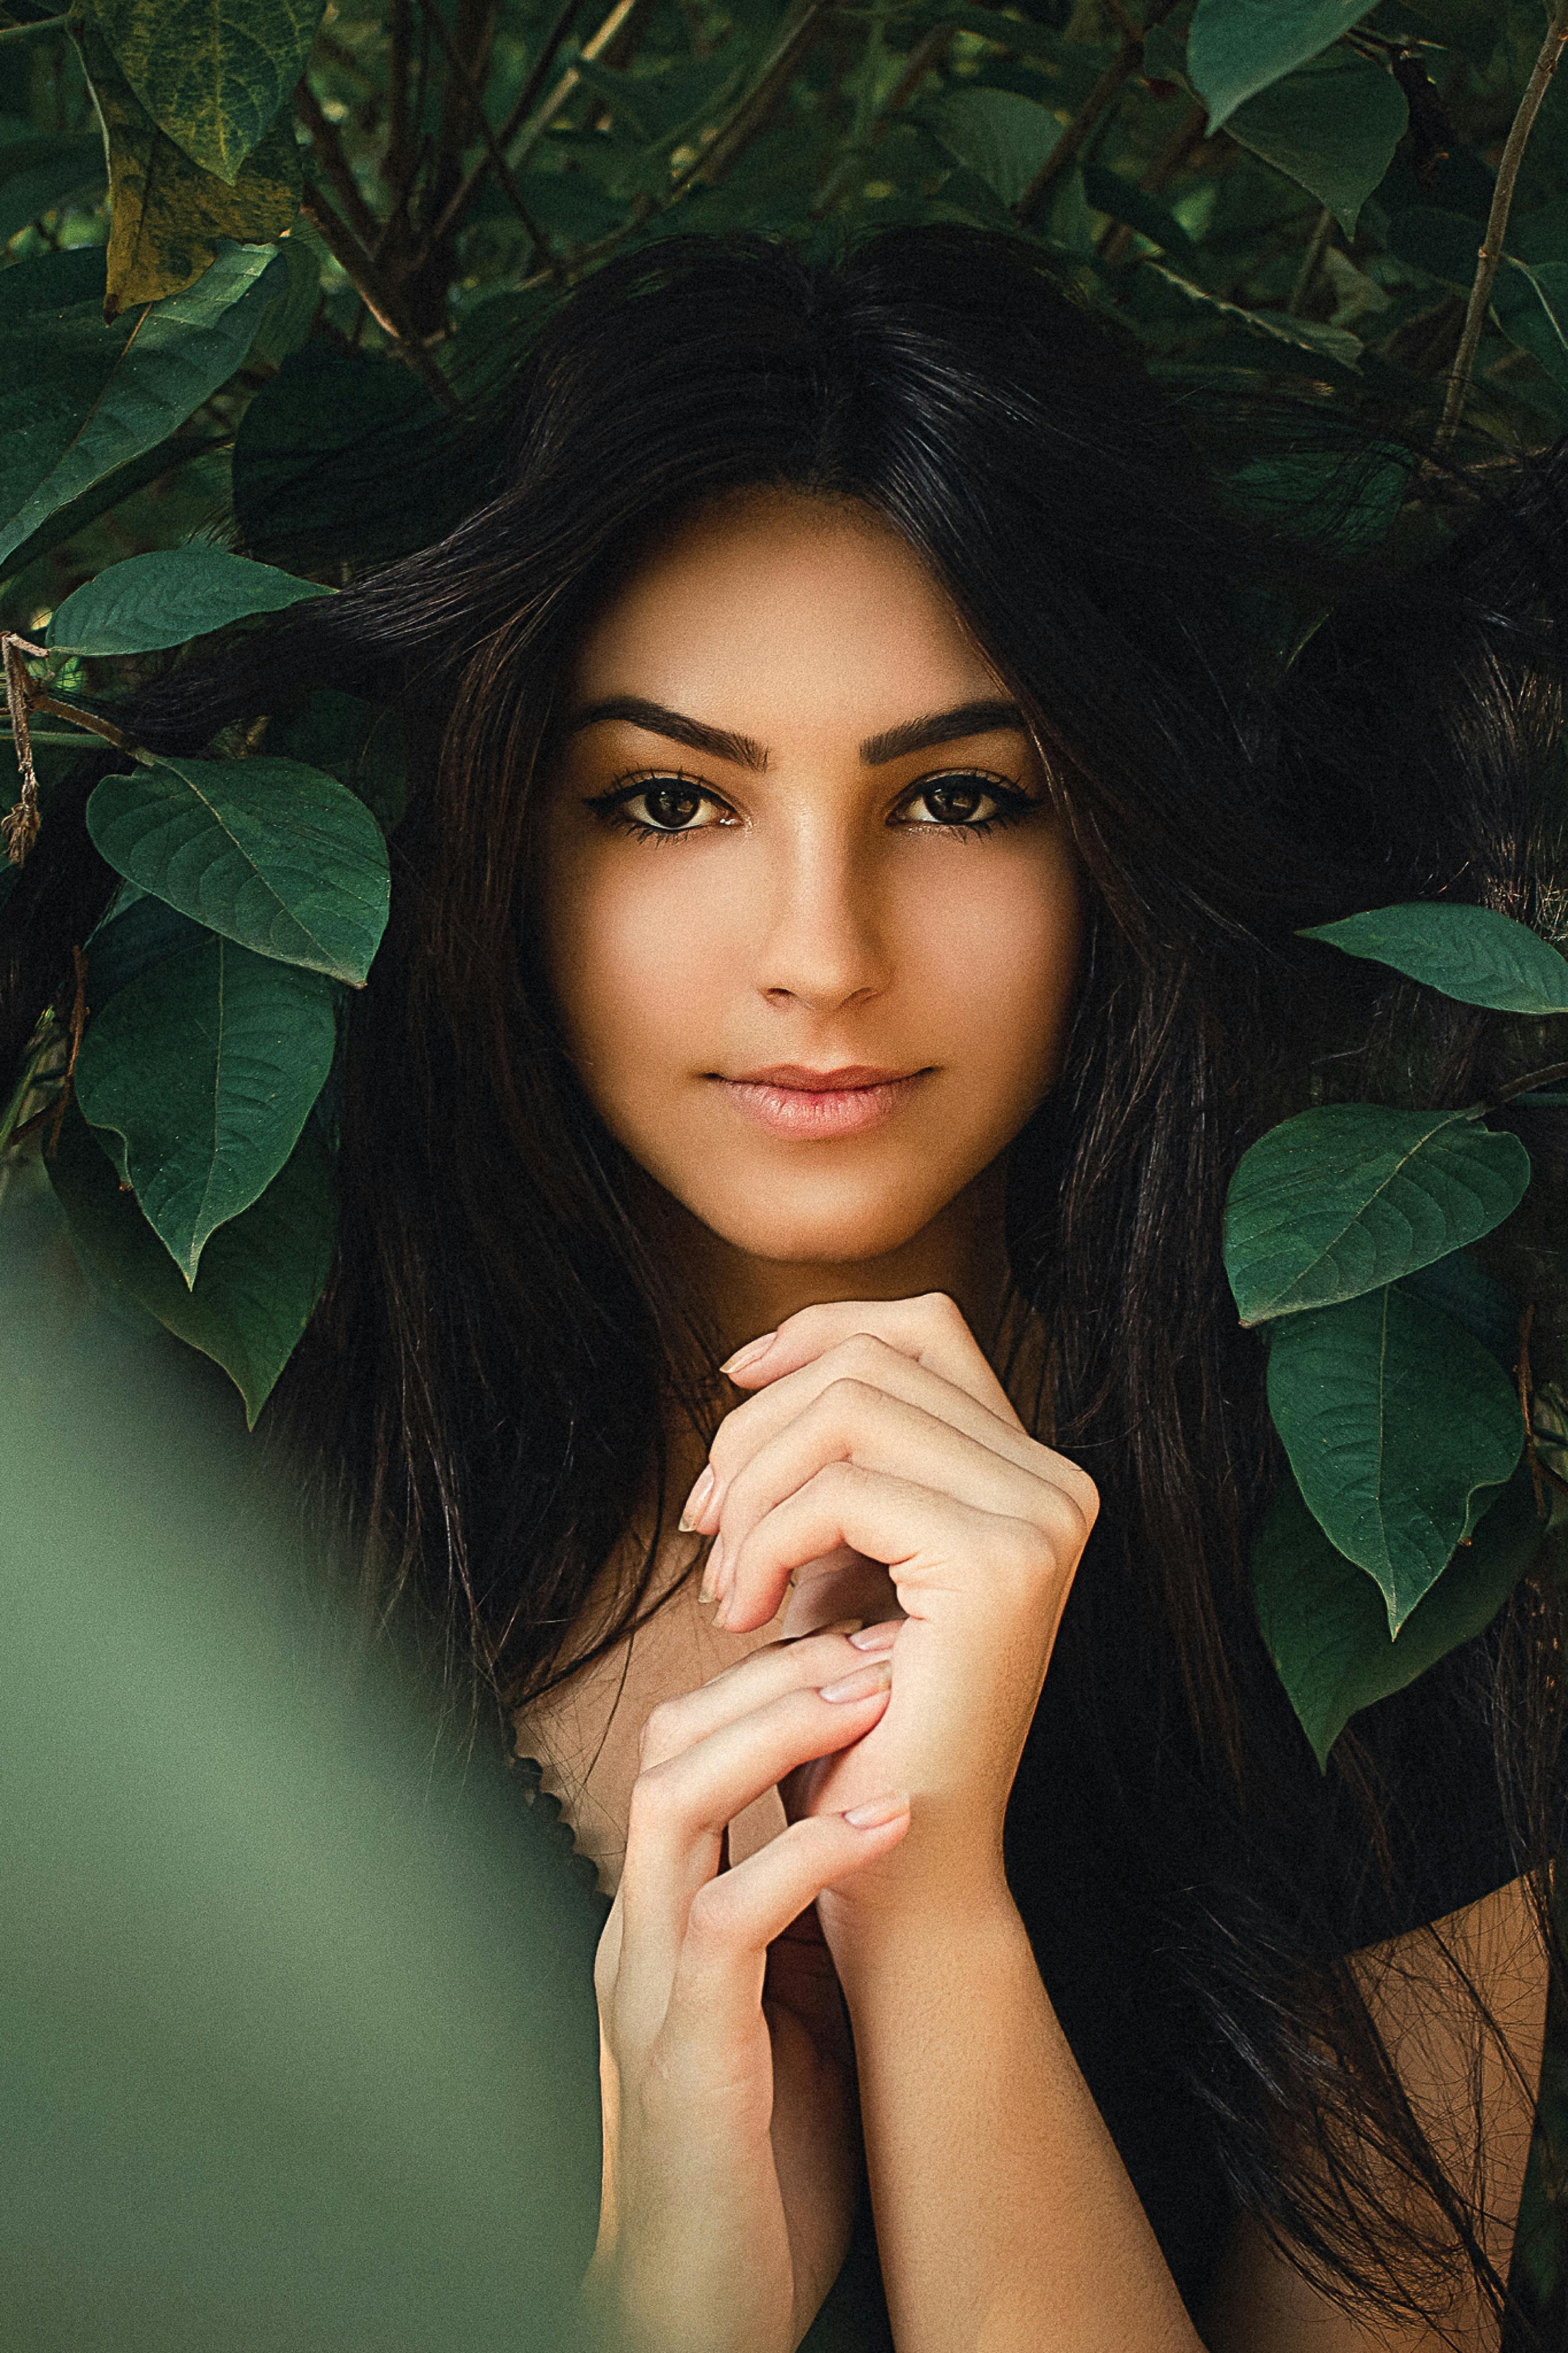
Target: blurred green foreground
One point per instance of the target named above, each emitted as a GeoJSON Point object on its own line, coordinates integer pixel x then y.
{"type": "Point", "coordinates": [298, 2014]}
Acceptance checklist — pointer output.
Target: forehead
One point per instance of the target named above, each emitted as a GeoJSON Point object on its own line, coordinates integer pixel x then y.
{"type": "Point", "coordinates": [772, 604]}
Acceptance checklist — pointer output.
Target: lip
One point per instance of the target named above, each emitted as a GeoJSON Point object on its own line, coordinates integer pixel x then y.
{"type": "Point", "coordinates": [791, 1099]}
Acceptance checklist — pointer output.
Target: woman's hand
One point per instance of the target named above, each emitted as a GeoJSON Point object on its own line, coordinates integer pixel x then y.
{"type": "Point", "coordinates": [729, 2132]}
{"type": "Point", "coordinates": [880, 1426]}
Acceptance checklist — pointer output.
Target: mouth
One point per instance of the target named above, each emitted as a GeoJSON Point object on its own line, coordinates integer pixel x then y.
{"type": "Point", "coordinates": [792, 1100]}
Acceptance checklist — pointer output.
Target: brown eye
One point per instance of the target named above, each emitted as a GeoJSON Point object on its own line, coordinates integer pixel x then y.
{"type": "Point", "coordinates": [671, 805]}
{"type": "Point", "coordinates": [959, 799]}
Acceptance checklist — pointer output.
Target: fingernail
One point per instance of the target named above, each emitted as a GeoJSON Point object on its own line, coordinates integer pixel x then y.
{"type": "Point", "coordinates": [750, 1355]}
{"type": "Point", "coordinates": [876, 1812]}
{"type": "Point", "coordinates": [709, 1588]}
{"type": "Point", "coordinates": [878, 1638]}
{"type": "Point", "coordinates": [840, 1626]}
{"type": "Point", "coordinates": [692, 1509]}
{"type": "Point", "coordinates": [861, 1683]}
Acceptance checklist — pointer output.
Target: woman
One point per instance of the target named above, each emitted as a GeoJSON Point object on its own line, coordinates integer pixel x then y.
{"type": "Point", "coordinates": [841, 946]}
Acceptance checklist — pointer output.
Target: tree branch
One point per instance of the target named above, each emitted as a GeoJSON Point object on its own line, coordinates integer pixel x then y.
{"type": "Point", "coordinates": [378, 300]}
{"type": "Point", "coordinates": [1122, 66]}
{"type": "Point", "coordinates": [1489, 254]}
{"type": "Point", "coordinates": [754, 108]}
{"type": "Point", "coordinates": [497, 162]}
{"type": "Point", "coordinates": [528, 137]}
{"type": "Point", "coordinates": [335, 164]}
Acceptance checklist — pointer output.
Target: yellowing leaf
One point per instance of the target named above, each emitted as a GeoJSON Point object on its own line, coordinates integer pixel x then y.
{"type": "Point", "coordinates": [167, 215]}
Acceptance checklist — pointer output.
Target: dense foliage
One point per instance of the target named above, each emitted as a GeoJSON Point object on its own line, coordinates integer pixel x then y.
{"type": "Point", "coordinates": [253, 258]}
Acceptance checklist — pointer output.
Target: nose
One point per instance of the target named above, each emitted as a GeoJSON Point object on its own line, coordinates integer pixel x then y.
{"type": "Point", "coordinates": [822, 940]}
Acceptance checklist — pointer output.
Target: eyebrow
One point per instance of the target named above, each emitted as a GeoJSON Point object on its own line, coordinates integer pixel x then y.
{"type": "Point", "coordinates": [965, 719]}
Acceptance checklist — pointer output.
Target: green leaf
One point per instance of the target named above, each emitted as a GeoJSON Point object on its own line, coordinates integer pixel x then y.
{"type": "Point", "coordinates": [1237, 47]}
{"type": "Point", "coordinates": [1305, 334]}
{"type": "Point", "coordinates": [167, 215]}
{"type": "Point", "coordinates": [138, 931]}
{"type": "Point", "coordinates": [1333, 126]}
{"type": "Point", "coordinates": [80, 401]}
{"type": "Point", "coordinates": [1326, 1626]}
{"type": "Point", "coordinates": [1463, 1289]}
{"type": "Point", "coordinates": [357, 741]}
{"type": "Point", "coordinates": [211, 79]}
{"type": "Point", "coordinates": [269, 853]}
{"type": "Point", "coordinates": [1002, 136]}
{"type": "Point", "coordinates": [206, 1065]}
{"type": "Point", "coordinates": [1443, 244]}
{"type": "Point", "coordinates": [260, 1274]}
{"type": "Point", "coordinates": [1396, 1421]}
{"type": "Point", "coordinates": [344, 448]}
{"type": "Point", "coordinates": [1344, 1199]}
{"type": "Point", "coordinates": [1472, 953]}
{"type": "Point", "coordinates": [1529, 300]}
{"type": "Point", "coordinates": [38, 174]}
{"type": "Point", "coordinates": [1123, 200]}
{"type": "Point", "coordinates": [163, 598]}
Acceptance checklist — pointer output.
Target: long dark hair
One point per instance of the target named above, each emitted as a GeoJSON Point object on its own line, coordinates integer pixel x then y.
{"type": "Point", "coordinates": [487, 1383]}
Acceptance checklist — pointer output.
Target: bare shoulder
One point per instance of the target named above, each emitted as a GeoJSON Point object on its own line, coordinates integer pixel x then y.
{"type": "Point", "coordinates": [1472, 2083]}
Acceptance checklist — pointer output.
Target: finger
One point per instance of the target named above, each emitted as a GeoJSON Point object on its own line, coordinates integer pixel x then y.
{"type": "Point", "coordinates": [718, 1984]}
{"type": "Point", "coordinates": [680, 1809]}
{"type": "Point", "coordinates": [763, 1675]}
{"type": "Point", "coordinates": [930, 1542]}
{"type": "Point", "coordinates": [852, 1422]}
{"type": "Point", "coordinates": [863, 1357]}
{"type": "Point", "coordinates": [930, 1328]}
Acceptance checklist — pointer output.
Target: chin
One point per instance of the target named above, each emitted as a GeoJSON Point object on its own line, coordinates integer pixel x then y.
{"type": "Point", "coordinates": [845, 1234]}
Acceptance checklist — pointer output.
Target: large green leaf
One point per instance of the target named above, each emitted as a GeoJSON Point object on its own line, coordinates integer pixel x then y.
{"type": "Point", "coordinates": [80, 401]}
{"type": "Point", "coordinates": [269, 853]}
{"type": "Point", "coordinates": [260, 1274]}
{"type": "Point", "coordinates": [1325, 1623]}
{"type": "Point", "coordinates": [1278, 326]}
{"type": "Point", "coordinates": [213, 79]}
{"type": "Point", "coordinates": [1237, 47]}
{"type": "Point", "coordinates": [206, 1066]}
{"type": "Point", "coordinates": [1472, 953]}
{"type": "Point", "coordinates": [1396, 1422]}
{"type": "Point", "coordinates": [1351, 1196]}
{"type": "Point", "coordinates": [1000, 134]}
{"type": "Point", "coordinates": [167, 216]}
{"type": "Point", "coordinates": [39, 173]}
{"type": "Point", "coordinates": [1332, 125]}
{"type": "Point", "coordinates": [163, 598]}
{"type": "Point", "coordinates": [1529, 300]}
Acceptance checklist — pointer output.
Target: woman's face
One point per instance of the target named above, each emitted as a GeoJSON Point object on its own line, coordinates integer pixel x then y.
{"type": "Point", "coordinates": [810, 922]}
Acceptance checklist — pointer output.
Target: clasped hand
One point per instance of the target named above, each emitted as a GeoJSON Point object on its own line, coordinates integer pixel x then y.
{"type": "Point", "coordinates": [875, 1428]}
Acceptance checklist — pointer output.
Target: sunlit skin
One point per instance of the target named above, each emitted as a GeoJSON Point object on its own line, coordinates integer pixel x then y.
{"type": "Point", "coordinates": [805, 904]}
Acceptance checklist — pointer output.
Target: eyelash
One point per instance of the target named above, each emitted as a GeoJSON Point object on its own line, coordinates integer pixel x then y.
{"type": "Point", "coordinates": [611, 806]}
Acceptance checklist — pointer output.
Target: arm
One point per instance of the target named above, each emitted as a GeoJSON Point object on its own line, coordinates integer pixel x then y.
{"type": "Point", "coordinates": [1262, 2301]}
{"type": "Point", "coordinates": [1006, 2219]}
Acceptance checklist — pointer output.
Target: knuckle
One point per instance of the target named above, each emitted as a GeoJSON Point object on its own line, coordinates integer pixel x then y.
{"type": "Point", "coordinates": [712, 1918]}
{"type": "Point", "coordinates": [847, 1393]}
{"type": "Point", "coordinates": [660, 1733]}
{"type": "Point", "coordinates": [652, 1800]}
{"type": "Point", "coordinates": [864, 1356]}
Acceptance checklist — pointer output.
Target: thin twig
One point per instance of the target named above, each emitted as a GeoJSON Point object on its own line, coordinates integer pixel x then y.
{"type": "Point", "coordinates": [499, 163]}
{"type": "Point", "coordinates": [78, 1024]}
{"type": "Point", "coordinates": [1490, 253]}
{"type": "Point", "coordinates": [754, 107]}
{"type": "Point", "coordinates": [528, 137]}
{"type": "Point", "coordinates": [1312, 262]}
{"type": "Point", "coordinates": [1122, 66]}
{"type": "Point", "coordinates": [20, 823]}
{"type": "Point", "coordinates": [1505, 1094]}
{"type": "Point", "coordinates": [400, 138]}
{"type": "Point", "coordinates": [88, 719]}
{"type": "Point", "coordinates": [354, 261]}
{"type": "Point", "coordinates": [335, 164]}
{"type": "Point", "coordinates": [39, 24]}
{"type": "Point", "coordinates": [1526, 1390]}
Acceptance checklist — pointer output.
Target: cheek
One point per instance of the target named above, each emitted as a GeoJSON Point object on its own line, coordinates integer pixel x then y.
{"type": "Point", "coordinates": [994, 953]}
{"type": "Point", "coordinates": [635, 955]}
